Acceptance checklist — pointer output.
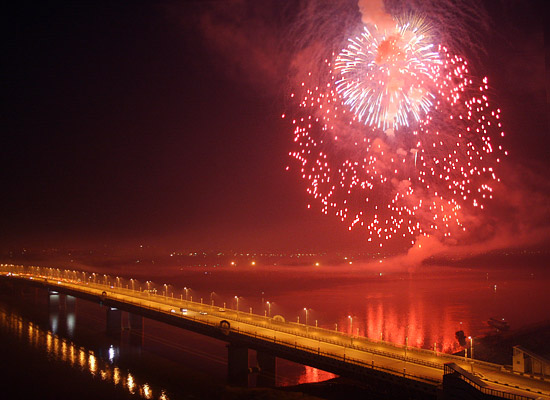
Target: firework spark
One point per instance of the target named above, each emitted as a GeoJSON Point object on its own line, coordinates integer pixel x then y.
{"type": "Point", "coordinates": [385, 78]}
{"type": "Point", "coordinates": [398, 140]}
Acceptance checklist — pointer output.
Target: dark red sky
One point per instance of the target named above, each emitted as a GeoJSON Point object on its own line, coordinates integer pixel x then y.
{"type": "Point", "coordinates": [160, 123]}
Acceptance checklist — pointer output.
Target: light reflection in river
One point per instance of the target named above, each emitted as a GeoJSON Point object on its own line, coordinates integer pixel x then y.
{"type": "Point", "coordinates": [92, 363]}
{"type": "Point", "coordinates": [311, 374]}
{"type": "Point", "coordinates": [61, 349]}
{"type": "Point", "coordinates": [130, 383]}
{"type": "Point", "coordinates": [383, 322]}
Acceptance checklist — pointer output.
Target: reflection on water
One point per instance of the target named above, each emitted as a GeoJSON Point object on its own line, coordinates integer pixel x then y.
{"type": "Point", "coordinates": [62, 313]}
{"type": "Point", "coordinates": [414, 328]}
{"type": "Point", "coordinates": [61, 349]}
{"type": "Point", "coordinates": [311, 374]}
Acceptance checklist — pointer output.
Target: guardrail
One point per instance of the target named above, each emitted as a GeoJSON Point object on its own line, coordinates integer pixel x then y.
{"type": "Point", "coordinates": [310, 332]}
{"type": "Point", "coordinates": [290, 345]}
{"type": "Point", "coordinates": [163, 301]}
{"type": "Point", "coordinates": [146, 302]}
{"type": "Point", "coordinates": [456, 371]}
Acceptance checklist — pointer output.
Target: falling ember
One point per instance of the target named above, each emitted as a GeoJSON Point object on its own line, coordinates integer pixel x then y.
{"type": "Point", "coordinates": [399, 141]}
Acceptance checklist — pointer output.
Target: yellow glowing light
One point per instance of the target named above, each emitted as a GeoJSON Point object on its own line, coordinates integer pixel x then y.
{"type": "Point", "coordinates": [93, 363]}
{"type": "Point", "coordinates": [116, 375]}
{"type": "Point", "coordinates": [147, 392]}
{"type": "Point", "coordinates": [131, 384]}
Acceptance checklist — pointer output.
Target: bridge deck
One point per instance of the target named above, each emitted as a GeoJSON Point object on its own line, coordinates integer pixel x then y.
{"type": "Point", "coordinates": [330, 350]}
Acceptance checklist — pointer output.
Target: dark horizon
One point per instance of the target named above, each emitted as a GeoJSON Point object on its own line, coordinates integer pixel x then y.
{"type": "Point", "coordinates": [131, 125]}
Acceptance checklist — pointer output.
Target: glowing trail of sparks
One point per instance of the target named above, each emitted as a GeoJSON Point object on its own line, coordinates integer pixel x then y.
{"type": "Point", "coordinates": [365, 162]}
{"type": "Point", "coordinates": [385, 78]}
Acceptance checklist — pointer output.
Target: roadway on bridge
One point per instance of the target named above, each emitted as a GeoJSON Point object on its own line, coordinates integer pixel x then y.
{"type": "Point", "coordinates": [420, 364]}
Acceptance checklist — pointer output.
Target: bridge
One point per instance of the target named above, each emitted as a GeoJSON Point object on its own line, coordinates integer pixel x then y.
{"type": "Point", "coordinates": [358, 358]}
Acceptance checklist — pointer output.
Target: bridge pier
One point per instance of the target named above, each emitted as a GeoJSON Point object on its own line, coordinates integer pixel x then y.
{"type": "Point", "coordinates": [56, 301]}
{"type": "Point", "coordinates": [56, 310]}
{"type": "Point", "coordinates": [267, 364]}
{"type": "Point", "coordinates": [237, 365]}
{"type": "Point", "coordinates": [114, 321]}
{"type": "Point", "coordinates": [135, 323]}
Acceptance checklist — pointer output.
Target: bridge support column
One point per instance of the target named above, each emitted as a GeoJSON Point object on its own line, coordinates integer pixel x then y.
{"type": "Point", "coordinates": [114, 321]}
{"type": "Point", "coordinates": [56, 310]}
{"type": "Point", "coordinates": [56, 300]}
{"type": "Point", "coordinates": [237, 365]}
{"type": "Point", "coordinates": [267, 364]}
{"type": "Point", "coordinates": [135, 323]}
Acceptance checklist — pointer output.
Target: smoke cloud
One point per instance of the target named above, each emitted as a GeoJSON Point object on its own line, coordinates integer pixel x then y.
{"type": "Point", "coordinates": [373, 12]}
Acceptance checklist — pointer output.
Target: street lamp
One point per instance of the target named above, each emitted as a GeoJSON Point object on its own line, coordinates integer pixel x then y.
{"type": "Point", "coordinates": [471, 347]}
{"type": "Point", "coordinates": [237, 298]}
{"type": "Point", "coordinates": [165, 290]}
{"type": "Point", "coordinates": [268, 309]}
{"type": "Point", "coordinates": [212, 298]}
{"type": "Point", "coordinates": [350, 324]}
{"type": "Point", "coordinates": [186, 292]}
{"type": "Point", "coordinates": [306, 310]}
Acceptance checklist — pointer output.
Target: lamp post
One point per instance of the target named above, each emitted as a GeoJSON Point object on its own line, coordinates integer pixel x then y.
{"type": "Point", "coordinates": [350, 324]}
{"type": "Point", "coordinates": [471, 347]}
{"type": "Point", "coordinates": [186, 292]}
{"type": "Point", "coordinates": [212, 298]}
{"type": "Point", "coordinates": [306, 310]}
{"type": "Point", "coordinates": [237, 298]}
{"type": "Point", "coordinates": [268, 309]}
{"type": "Point", "coordinates": [165, 290]}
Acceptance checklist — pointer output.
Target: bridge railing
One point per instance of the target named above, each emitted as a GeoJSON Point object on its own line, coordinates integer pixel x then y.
{"type": "Point", "coordinates": [457, 372]}
{"type": "Point", "coordinates": [316, 333]}
{"type": "Point", "coordinates": [281, 341]}
{"type": "Point", "coordinates": [269, 323]}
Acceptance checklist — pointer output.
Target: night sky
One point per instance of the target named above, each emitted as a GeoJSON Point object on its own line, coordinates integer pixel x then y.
{"type": "Point", "coordinates": [160, 122]}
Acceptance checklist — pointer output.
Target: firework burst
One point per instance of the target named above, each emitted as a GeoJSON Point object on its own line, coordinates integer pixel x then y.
{"type": "Point", "coordinates": [399, 139]}
{"type": "Point", "coordinates": [386, 78]}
